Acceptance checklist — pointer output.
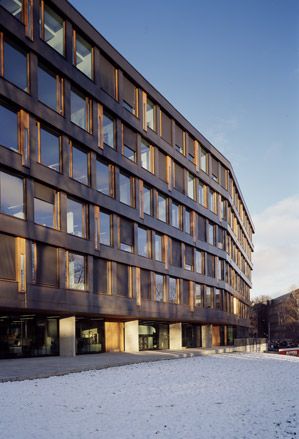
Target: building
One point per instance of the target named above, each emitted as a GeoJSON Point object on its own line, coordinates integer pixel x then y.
{"type": "Point", "coordinates": [121, 226]}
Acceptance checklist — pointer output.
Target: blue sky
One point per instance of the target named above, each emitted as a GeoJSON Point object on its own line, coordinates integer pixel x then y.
{"type": "Point", "coordinates": [231, 68]}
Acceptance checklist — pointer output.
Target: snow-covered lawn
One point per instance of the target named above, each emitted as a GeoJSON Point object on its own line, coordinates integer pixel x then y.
{"type": "Point", "coordinates": [220, 396]}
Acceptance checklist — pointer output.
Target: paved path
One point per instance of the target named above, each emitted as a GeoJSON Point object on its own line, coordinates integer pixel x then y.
{"type": "Point", "coordinates": [44, 367]}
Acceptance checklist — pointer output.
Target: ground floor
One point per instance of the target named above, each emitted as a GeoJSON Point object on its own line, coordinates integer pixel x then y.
{"type": "Point", "coordinates": [33, 335]}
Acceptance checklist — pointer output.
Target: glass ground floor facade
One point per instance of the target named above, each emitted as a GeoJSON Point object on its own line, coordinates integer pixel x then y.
{"type": "Point", "coordinates": [33, 335]}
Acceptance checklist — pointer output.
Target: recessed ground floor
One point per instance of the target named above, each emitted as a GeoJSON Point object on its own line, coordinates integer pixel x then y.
{"type": "Point", "coordinates": [33, 335]}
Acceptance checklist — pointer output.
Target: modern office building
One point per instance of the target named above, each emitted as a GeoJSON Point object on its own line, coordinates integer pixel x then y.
{"type": "Point", "coordinates": [121, 226]}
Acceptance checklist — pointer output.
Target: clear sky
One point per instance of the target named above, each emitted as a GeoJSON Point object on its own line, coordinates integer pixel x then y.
{"type": "Point", "coordinates": [231, 68]}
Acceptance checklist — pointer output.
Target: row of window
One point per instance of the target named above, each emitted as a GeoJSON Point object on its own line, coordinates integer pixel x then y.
{"type": "Point", "coordinates": [50, 91]}
{"type": "Point", "coordinates": [45, 261]}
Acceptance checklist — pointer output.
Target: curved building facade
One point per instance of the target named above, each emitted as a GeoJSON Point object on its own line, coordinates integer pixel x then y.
{"type": "Point", "coordinates": [121, 226]}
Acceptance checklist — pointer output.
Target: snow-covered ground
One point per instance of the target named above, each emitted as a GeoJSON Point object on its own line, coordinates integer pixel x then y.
{"type": "Point", "coordinates": [229, 396]}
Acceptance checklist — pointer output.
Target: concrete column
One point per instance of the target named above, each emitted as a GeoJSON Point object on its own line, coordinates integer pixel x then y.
{"type": "Point", "coordinates": [67, 337]}
{"type": "Point", "coordinates": [132, 336]}
{"type": "Point", "coordinates": [175, 336]}
{"type": "Point", "coordinates": [206, 333]}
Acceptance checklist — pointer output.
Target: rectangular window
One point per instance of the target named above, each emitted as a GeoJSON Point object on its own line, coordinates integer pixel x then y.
{"type": "Point", "coordinates": [50, 89]}
{"type": "Point", "coordinates": [159, 296]}
{"type": "Point", "coordinates": [45, 206]}
{"type": "Point", "coordinates": [122, 280]}
{"type": "Point", "coordinates": [12, 195]}
{"type": "Point", "coordinates": [202, 234]}
{"type": "Point", "coordinates": [187, 221]}
{"type": "Point", "coordinates": [172, 290]}
{"type": "Point", "coordinates": [188, 257]}
{"type": "Point", "coordinates": [162, 165]}
{"type": "Point", "coordinates": [158, 247]}
{"type": "Point", "coordinates": [191, 149]}
{"type": "Point", "coordinates": [147, 156]}
{"type": "Point", "coordinates": [129, 143]}
{"type": "Point", "coordinates": [147, 200]}
{"type": "Point", "coordinates": [143, 242]}
{"type": "Point", "coordinates": [150, 115]}
{"type": "Point", "coordinates": [185, 295]}
{"type": "Point", "coordinates": [105, 228]}
{"type": "Point", "coordinates": [14, 7]}
{"type": "Point", "coordinates": [190, 186]}
{"type": "Point", "coordinates": [9, 128]}
{"type": "Point", "coordinates": [126, 234]}
{"type": "Point", "coordinates": [202, 194]}
{"type": "Point", "coordinates": [82, 55]}
{"type": "Point", "coordinates": [218, 301]}
{"type": "Point", "coordinates": [15, 66]}
{"type": "Point", "coordinates": [126, 195]}
{"type": "Point", "coordinates": [179, 139]}
{"type": "Point", "coordinates": [145, 284]}
{"type": "Point", "coordinates": [7, 257]}
{"type": "Point", "coordinates": [176, 253]}
{"type": "Point", "coordinates": [104, 178]}
{"type": "Point", "coordinates": [108, 76]}
{"type": "Point", "coordinates": [220, 237]}
{"type": "Point", "coordinates": [130, 96]}
{"type": "Point", "coordinates": [79, 165]}
{"type": "Point", "coordinates": [211, 234]}
{"type": "Point", "coordinates": [210, 265]}
{"type": "Point", "coordinates": [175, 215]}
{"type": "Point", "coordinates": [198, 295]}
{"type": "Point", "coordinates": [52, 28]}
{"type": "Point", "coordinates": [76, 271]}
{"type": "Point", "coordinates": [101, 275]}
{"type": "Point", "coordinates": [81, 114]}
{"type": "Point", "coordinates": [215, 169]}
{"type": "Point", "coordinates": [166, 127]}
{"type": "Point", "coordinates": [108, 130]}
{"type": "Point", "coordinates": [178, 178]}
{"type": "Point", "coordinates": [212, 200]}
{"type": "Point", "coordinates": [162, 208]}
{"type": "Point", "coordinates": [209, 292]}
{"type": "Point", "coordinates": [76, 218]}
{"type": "Point", "coordinates": [199, 262]}
{"type": "Point", "coordinates": [203, 160]}
{"type": "Point", "coordinates": [45, 264]}
{"type": "Point", "coordinates": [49, 148]}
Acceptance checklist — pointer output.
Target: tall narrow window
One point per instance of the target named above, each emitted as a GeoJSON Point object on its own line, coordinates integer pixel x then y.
{"type": "Point", "coordinates": [122, 280]}
{"type": "Point", "coordinates": [126, 189]}
{"type": "Point", "coordinates": [172, 290]}
{"type": "Point", "coordinates": [45, 264]}
{"type": "Point", "coordinates": [129, 143]}
{"type": "Point", "coordinates": [188, 258]}
{"type": "Point", "coordinates": [145, 284]}
{"type": "Point", "coordinates": [50, 89]}
{"type": "Point", "coordinates": [126, 235]}
{"type": "Point", "coordinates": [45, 206]}
{"type": "Point", "coordinates": [166, 127]}
{"type": "Point", "coordinates": [11, 195]}
{"type": "Point", "coordinates": [150, 115]}
{"type": "Point", "coordinates": [15, 66]}
{"type": "Point", "coordinates": [176, 253]}
{"type": "Point", "coordinates": [202, 190]}
{"type": "Point", "coordinates": [108, 76]}
{"type": "Point", "coordinates": [52, 28]}
{"type": "Point", "coordinates": [143, 242]}
{"type": "Point", "coordinates": [179, 139]}
{"type": "Point", "coordinates": [76, 218]}
{"type": "Point", "coordinates": [198, 295]}
{"type": "Point", "coordinates": [158, 247]}
{"type": "Point", "coordinates": [105, 228]}
{"type": "Point", "coordinates": [179, 177]}
{"type": "Point", "coordinates": [101, 276]}
{"type": "Point", "coordinates": [8, 128]}
{"type": "Point", "coordinates": [130, 94]}
{"type": "Point", "coordinates": [175, 215]}
{"type": "Point", "coordinates": [162, 208]}
{"type": "Point", "coordinates": [147, 200]}
{"type": "Point", "coordinates": [159, 287]}
{"type": "Point", "coordinates": [104, 174]}
{"type": "Point", "coordinates": [199, 262]}
{"type": "Point", "coordinates": [211, 234]}
{"type": "Point", "coordinates": [108, 130]}
{"type": "Point", "coordinates": [146, 153]}
{"type": "Point", "coordinates": [187, 221]}
{"type": "Point", "coordinates": [76, 271]}
{"type": "Point", "coordinates": [210, 265]}
{"type": "Point", "coordinates": [190, 186]}
{"type": "Point", "coordinates": [82, 55]}
{"type": "Point", "coordinates": [202, 234]}
{"type": "Point", "coordinates": [81, 110]}
{"type": "Point", "coordinates": [191, 149]}
{"type": "Point", "coordinates": [215, 169]}
{"type": "Point", "coordinates": [209, 292]}
{"type": "Point", "coordinates": [162, 165]}
{"type": "Point", "coordinates": [203, 159]}
{"type": "Point", "coordinates": [79, 165]}
{"type": "Point", "coordinates": [185, 294]}
{"type": "Point", "coordinates": [7, 257]}
{"type": "Point", "coordinates": [48, 148]}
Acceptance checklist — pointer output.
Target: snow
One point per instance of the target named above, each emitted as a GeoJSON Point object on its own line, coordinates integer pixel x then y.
{"type": "Point", "coordinates": [230, 396]}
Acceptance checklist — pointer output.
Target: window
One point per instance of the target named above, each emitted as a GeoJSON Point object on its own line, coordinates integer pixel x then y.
{"type": "Point", "coordinates": [218, 299]}
{"type": "Point", "coordinates": [158, 247]}
{"type": "Point", "coordinates": [203, 160]}
{"type": "Point", "coordinates": [202, 235]}
{"type": "Point", "coordinates": [150, 115]}
{"type": "Point", "coordinates": [45, 264]}
{"type": "Point", "coordinates": [48, 148]}
{"type": "Point", "coordinates": [122, 280]}
{"type": "Point", "coordinates": [147, 200]}
{"type": "Point", "coordinates": [126, 189]}
{"type": "Point", "coordinates": [185, 296]}
{"type": "Point", "coordinates": [199, 262]}
{"type": "Point", "coordinates": [52, 28]}
{"type": "Point", "coordinates": [14, 7]}
{"type": "Point", "coordinates": [45, 206]}
{"type": "Point", "coordinates": [143, 242]}
{"type": "Point", "coordinates": [78, 165]}
{"type": "Point", "coordinates": [108, 76]}
{"type": "Point", "coordinates": [211, 234]}
{"type": "Point", "coordinates": [76, 218]}
{"type": "Point", "coordinates": [209, 292]}
{"type": "Point", "coordinates": [146, 152]}
{"type": "Point", "coordinates": [101, 274]}
{"type": "Point", "coordinates": [159, 287]}
{"type": "Point", "coordinates": [166, 127]}
{"type": "Point", "coordinates": [188, 257]}
{"type": "Point", "coordinates": [76, 271]}
{"type": "Point", "coordinates": [82, 55]}
{"type": "Point", "coordinates": [215, 169]}
{"type": "Point", "coordinates": [187, 221]}
{"type": "Point", "coordinates": [7, 257]}
{"type": "Point", "coordinates": [190, 186]}
{"type": "Point", "coordinates": [8, 128]}
{"type": "Point", "coordinates": [175, 215]}
{"type": "Point", "coordinates": [129, 143]}
{"type": "Point", "coordinates": [198, 295]}
{"type": "Point", "coordinates": [104, 178]}
{"type": "Point", "coordinates": [212, 200]}
{"type": "Point", "coordinates": [50, 89]}
{"type": "Point", "coordinates": [172, 290]}
{"type": "Point", "coordinates": [202, 190]}
{"type": "Point", "coordinates": [130, 96]}
{"type": "Point", "coordinates": [191, 149]}
{"type": "Point", "coordinates": [210, 265]}
{"type": "Point", "coordinates": [105, 228]}
{"type": "Point", "coordinates": [12, 195]}
{"type": "Point", "coordinates": [178, 177]}
{"type": "Point", "coordinates": [126, 235]}
{"type": "Point", "coordinates": [108, 131]}
{"type": "Point", "coordinates": [220, 237]}
{"type": "Point", "coordinates": [81, 110]}
{"type": "Point", "coordinates": [179, 139]}
{"type": "Point", "coordinates": [145, 284]}
{"type": "Point", "coordinates": [162, 208]}
{"type": "Point", "coordinates": [162, 165]}
{"type": "Point", "coordinates": [176, 253]}
{"type": "Point", "coordinates": [15, 66]}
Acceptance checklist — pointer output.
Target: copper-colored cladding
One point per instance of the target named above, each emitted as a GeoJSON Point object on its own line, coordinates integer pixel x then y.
{"type": "Point", "coordinates": [110, 306]}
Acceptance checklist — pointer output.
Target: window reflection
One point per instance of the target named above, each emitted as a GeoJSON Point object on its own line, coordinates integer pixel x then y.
{"type": "Point", "coordinates": [14, 7]}
{"type": "Point", "coordinates": [8, 128]}
{"type": "Point", "coordinates": [103, 177]}
{"type": "Point", "coordinates": [76, 218]}
{"type": "Point", "coordinates": [49, 154]}
{"type": "Point", "coordinates": [47, 91]}
{"type": "Point", "coordinates": [83, 56]}
{"type": "Point", "coordinates": [159, 287]}
{"type": "Point", "coordinates": [79, 165]}
{"type": "Point", "coordinates": [158, 247]}
{"type": "Point", "coordinates": [11, 195]}
{"type": "Point", "coordinates": [108, 128]}
{"type": "Point", "coordinates": [162, 208]}
{"type": "Point", "coordinates": [76, 271]}
{"type": "Point", "coordinates": [52, 29]}
{"type": "Point", "coordinates": [15, 66]}
{"type": "Point", "coordinates": [105, 228]}
{"type": "Point", "coordinates": [125, 189]}
{"type": "Point", "coordinates": [79, 110]}
{"type": "Point", "coordinates": [143, 247]}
